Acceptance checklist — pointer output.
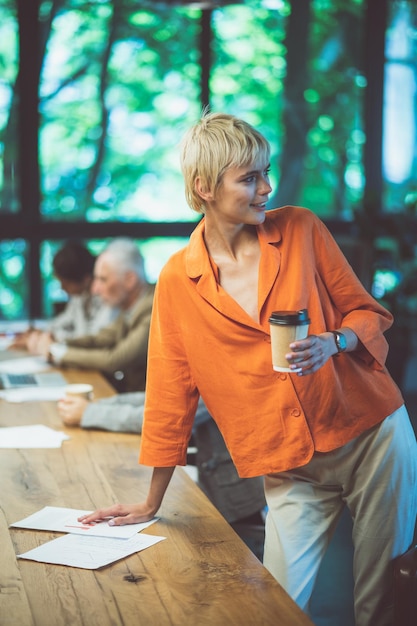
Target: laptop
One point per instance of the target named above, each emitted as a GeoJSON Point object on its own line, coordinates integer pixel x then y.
{"type": "Point", "coordinates": [47, 379]}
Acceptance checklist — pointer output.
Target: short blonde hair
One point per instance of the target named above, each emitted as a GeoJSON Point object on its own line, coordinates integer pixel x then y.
{"type": "Point", "coordinates": [217, 142]}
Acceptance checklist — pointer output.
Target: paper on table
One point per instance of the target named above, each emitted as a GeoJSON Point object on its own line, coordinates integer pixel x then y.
{"type": "Point", "coordinates": [33, 394]}
{"type": "Point", "coordinates": [61, 519]}
{"type": "Point", "coordinates": [88, 552]}
{"type": "Point", "coordinates": [24, 365]}
{"type": "Point", "coordinates": [37, 436]}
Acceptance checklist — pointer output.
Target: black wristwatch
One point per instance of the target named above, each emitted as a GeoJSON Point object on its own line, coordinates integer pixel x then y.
{"type": "Point", "coordinates": [340, 341]}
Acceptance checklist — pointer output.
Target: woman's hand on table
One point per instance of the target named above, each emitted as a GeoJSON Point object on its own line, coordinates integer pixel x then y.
{"type": "Point", "coordinates": [121, 514]}
{"type": "Point", "coordinates": [71, 409]}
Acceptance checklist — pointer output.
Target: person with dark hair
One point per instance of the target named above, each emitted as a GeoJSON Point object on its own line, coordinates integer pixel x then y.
{"type": "Point", "coordinates": [73, 262]}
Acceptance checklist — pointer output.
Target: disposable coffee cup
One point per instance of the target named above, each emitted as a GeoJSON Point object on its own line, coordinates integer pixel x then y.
{"type": "Point", "coordinates": [82, 390]}
{"type": "Point", "coordinates": [286, 327]}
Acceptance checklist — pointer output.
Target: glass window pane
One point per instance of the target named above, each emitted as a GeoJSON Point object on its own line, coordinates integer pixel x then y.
{"type": "Point", "coordinates": [120, 83]}
{"type": "Point", "coordinates": [333, 180]}
{"type": "Point", "coordinates": [249, 67]}
{"type": "Point", "coordinates": [400, 108]}
{"type": "Point", "coordinates": [9, 200]}
{"type": "Point", "coordinates": [13, 280]}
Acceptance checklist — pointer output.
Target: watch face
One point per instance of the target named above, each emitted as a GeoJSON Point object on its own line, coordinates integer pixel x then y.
{"type": "Point", "coordinates": [341, 342]}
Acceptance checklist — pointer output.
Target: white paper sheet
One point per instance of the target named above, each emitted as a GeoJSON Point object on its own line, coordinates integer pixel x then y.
{"type": "Point", "coordinates": [88, 552]}
{"type": "Point", "coordinates": [33, 394]}
{"type": "Point", "coordinates": [24, 365]}
{"type": "Point", "coordinates": [37, 436]}
{"type": "Point", "coordinates": [61, 519]}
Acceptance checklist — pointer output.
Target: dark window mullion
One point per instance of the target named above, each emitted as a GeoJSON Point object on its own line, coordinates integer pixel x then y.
{"type": "Point", "coordinates": [376, 17]}
{"type": "Point", "coordinates": [28, 88]}
{"type": "Point", "coordinates": [205, 55]}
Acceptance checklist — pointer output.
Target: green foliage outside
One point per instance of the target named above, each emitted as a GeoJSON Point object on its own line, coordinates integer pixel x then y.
{"type": "Point", "coordinates": [120, 82]}
{"type": "Point", "coordinates": [119, 85]}
{"type": "Point", "coordinates": [13, 286]}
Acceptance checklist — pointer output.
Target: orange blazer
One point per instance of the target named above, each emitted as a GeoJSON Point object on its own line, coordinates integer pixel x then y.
{"type": "Point", "coordinates": [203, 343]}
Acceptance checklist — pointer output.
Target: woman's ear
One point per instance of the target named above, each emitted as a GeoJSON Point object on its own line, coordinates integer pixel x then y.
{"type": "Point", "coordinates": [202, 190]}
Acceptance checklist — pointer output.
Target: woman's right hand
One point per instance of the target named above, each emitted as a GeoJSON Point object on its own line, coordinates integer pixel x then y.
{"type": "Point", "coordinates": [120, 514]}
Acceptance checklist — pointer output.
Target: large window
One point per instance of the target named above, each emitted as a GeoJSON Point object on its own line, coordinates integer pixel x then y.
{"type": "Point", "coordinates": [400, 107]}
{"type": "Point", "coordinates": [96, 94]}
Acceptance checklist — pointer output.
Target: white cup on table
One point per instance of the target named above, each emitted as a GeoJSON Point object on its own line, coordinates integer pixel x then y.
{"type": "Point", "coordinates": [83, 390]}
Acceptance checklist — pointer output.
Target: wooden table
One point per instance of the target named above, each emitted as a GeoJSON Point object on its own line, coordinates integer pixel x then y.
{"type": "Point", "coordinates": [201, 575]}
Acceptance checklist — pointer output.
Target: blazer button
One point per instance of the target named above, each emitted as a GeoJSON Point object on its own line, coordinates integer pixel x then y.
{"type": "Point", "coordinates": [283, 376]}
{"type": "Point", "coordinates": [296, 412]}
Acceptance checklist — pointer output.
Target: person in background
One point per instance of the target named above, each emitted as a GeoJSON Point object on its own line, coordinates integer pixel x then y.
{"type": "Point", "coordinates": [334, 431]}
{"type": "Point", "coordinates": [84, 313]}
{"type": "Point", "coordinates": [239, 500]}
{"type": "Point", "coordinates": [119, 350]}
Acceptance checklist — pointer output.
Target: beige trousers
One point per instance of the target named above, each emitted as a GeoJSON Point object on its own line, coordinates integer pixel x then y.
{"type": "Point", "coordinates": [375, 475]}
